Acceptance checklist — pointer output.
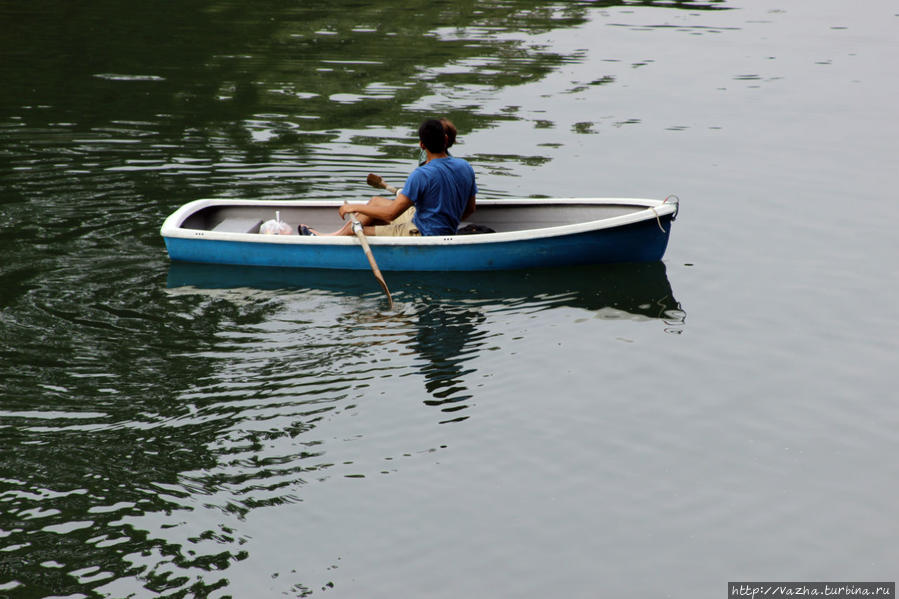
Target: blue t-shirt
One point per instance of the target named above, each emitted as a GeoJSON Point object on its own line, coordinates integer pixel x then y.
{"type": "Point", "coordinates": [440, 191]}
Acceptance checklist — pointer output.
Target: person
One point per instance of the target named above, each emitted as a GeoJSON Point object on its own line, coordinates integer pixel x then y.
{"type": "Point", "coordinates": [435, 198]}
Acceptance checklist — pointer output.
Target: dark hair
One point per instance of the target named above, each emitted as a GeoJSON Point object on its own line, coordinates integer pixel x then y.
{"type": "Point", "coordinates": [433, 136]}
{"type": "Point", "coordinates": [450, 129]}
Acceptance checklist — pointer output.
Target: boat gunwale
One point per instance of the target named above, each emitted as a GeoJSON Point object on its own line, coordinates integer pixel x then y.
{"type": "Point", "coordinates": [653, 209]}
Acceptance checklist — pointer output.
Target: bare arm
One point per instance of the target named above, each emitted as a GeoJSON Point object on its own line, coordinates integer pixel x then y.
{"type": "Point", "coordinates": [469, 210]}
{"type": "Point", "coordinates": [382, 209]}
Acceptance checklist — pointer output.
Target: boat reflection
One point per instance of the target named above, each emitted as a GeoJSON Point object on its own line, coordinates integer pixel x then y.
{"type": "Point", "coordinates": [447, 312]}
{"type": "Point", "coordinates": [629, 289]}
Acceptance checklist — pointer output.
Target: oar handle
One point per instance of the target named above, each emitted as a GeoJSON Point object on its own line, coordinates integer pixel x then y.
{"type": "Point", "coordinates": [360, 234]}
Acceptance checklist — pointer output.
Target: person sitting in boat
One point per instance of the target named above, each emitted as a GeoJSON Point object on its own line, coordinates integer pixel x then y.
{"type": "Point", "coordinates": [435, 198]}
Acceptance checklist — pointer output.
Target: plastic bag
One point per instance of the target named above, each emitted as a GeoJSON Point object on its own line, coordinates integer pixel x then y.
{"type": "Point", "coordinates": [276, 226]}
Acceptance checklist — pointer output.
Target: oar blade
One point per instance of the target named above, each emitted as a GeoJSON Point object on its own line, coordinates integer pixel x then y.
{"type": "Point", "coordinates": [375, 180]}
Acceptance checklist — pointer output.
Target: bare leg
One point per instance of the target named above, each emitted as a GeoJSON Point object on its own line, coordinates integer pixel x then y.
{"type": "Point", "coordinates": [367, 222]}
{"type": "Point", "coordinates": [347, 229]}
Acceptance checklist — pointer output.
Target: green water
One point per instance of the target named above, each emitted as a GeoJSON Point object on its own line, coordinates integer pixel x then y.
{"type": "Point", "coordinates": [634, 430]}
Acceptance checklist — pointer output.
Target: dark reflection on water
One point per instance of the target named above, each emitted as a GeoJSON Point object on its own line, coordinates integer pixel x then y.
{"type": "Point", "coordinates": [131, 409]}
{"type": "Point", "coordinates": [446, 338]}
{"type": "Point", "coordinates": [186, 433]}
{"type": "Point", "coordinates": [246, 99]}
{"type": "Point", "coordinates": [638, 289]}
{"type": "Point", "coordinates": [182, 83]}
{"type": "Point", "coordinates": [92, 430]}
{"type": "Point", "coordinates": [446, 310]}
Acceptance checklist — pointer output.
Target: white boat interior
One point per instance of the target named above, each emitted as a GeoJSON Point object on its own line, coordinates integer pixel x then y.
{"type": "Point", "coordinates": [501, 216]}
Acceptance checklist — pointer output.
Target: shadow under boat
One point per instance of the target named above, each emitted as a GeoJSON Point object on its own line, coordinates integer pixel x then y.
{"type": "Point", "coordinates": [640, 289]}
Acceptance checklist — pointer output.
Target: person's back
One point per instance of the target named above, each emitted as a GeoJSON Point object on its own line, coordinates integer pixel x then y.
{"type": "Point", "coordinates": [441, 191]}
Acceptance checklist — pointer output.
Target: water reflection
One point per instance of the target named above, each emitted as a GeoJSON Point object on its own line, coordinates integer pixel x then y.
{"type": "Point", "coordinates": [634, 289]}
{"type": "Point", "coordinates": [447, 312]}
{"type": "Point", "coordinates": [240, 95]}
{"type": "Point", "coordinates": [447, 338]}
{"type": "Point", "coordinates": [335, 62]}
{"type": "Point", "coordinates": [140, 427]}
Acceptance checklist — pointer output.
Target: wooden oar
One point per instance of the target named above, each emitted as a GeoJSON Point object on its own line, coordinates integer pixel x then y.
{"type": "Point", "coordinates": [376, 181]}
{"type": "Point", "coordinates": [357, 229]}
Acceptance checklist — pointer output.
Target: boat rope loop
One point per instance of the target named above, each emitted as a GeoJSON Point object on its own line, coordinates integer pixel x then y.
{"type": "Point", "coordinates": [658, 220]}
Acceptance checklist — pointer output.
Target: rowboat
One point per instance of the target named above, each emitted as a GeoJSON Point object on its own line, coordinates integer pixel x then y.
{"type": "Point", "coordinates": [522, 233]}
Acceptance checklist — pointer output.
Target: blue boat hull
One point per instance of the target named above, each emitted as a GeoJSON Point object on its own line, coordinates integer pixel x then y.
{"type": "Point", "coordinates": [643, 241]}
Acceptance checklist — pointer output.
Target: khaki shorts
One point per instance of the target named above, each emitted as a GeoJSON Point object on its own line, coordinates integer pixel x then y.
{"type": "Point", "coordinates": [402, 226]}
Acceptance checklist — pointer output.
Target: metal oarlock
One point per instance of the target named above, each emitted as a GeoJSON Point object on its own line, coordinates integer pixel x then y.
{"type": "Point", "coordinates": [676, 205]}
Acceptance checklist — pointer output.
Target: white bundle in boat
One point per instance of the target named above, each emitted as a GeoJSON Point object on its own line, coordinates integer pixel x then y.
{"type": "Point", "coordinates": [276, 226]}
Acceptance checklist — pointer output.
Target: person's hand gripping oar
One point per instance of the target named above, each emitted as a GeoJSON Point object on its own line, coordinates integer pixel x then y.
{"type": "Point", "coordinates": [357, 229]}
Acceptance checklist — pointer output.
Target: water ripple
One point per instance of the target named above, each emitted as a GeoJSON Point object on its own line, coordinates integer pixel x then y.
{"type": "Point", "coordinates": [156, 416]}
